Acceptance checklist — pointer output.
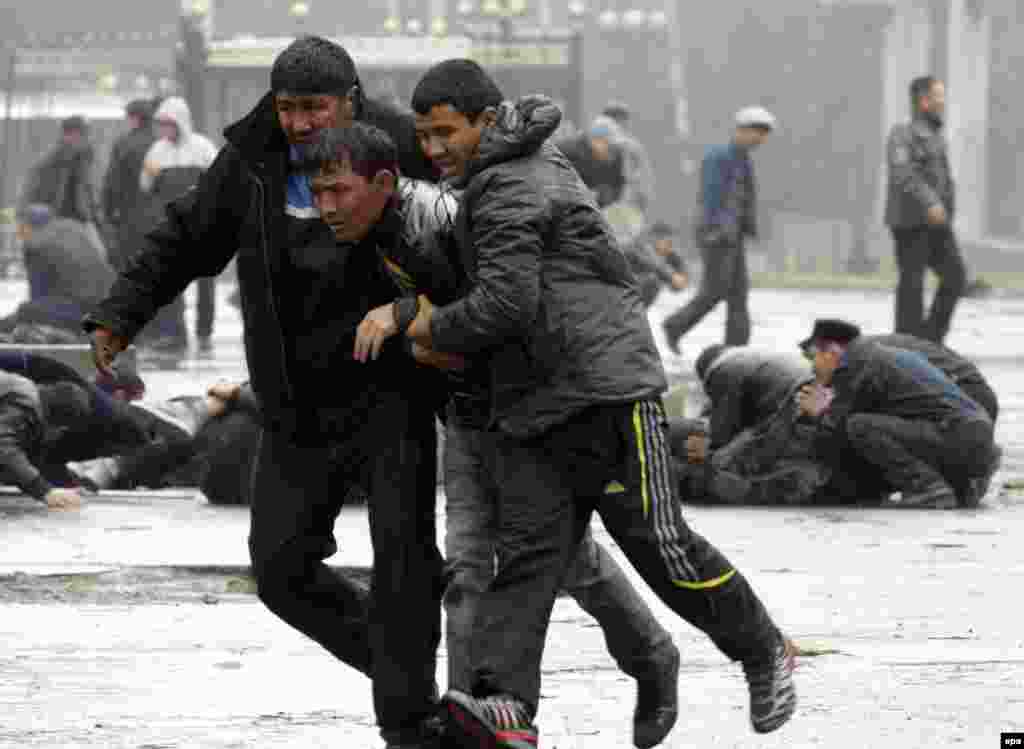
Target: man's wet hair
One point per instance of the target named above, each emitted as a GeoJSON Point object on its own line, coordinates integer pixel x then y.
{"type": "Point", "coordinates": [462, 84]}
{"type": "Point", "coordinates": [367, 148]}
{"type": "Point", "coordinates": [64, 403]}
{"type": "Point", "coordinates": [921, 86]}
{"type": "Point", "coordinates": [313, 65]}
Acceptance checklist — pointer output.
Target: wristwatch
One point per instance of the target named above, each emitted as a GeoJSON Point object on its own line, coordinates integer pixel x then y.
{"type": "Point", "coordinates": [405, 311]}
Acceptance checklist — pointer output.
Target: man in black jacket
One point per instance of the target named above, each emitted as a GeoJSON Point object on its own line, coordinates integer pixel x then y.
{"type": "Point", "coordinates": [955, 366]}
{"type": "Point", "coordinates": [919, 212]}
{"type": "Point", "coordinates": [124, 203]}
{"type": "Point", "coordinates": [574, 420]}
{"type": "Point", "coordinates": [30, 414]}
{"type": "Point", "coordinates": [302, 293]}
{"type": "Point", "coordinates": [899, 413]}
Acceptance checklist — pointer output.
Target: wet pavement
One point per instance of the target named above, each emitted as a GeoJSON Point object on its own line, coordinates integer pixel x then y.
{"type": "Point", "coordinates": [132, 623]}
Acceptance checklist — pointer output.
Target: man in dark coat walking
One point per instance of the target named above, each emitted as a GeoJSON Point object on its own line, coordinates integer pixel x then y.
{"type": "Point", "coordinates": [62, 179]}
{"type": "Point", "coordinates": [124, 204]}
{"type": "Point", "coordinates": [919, 212]}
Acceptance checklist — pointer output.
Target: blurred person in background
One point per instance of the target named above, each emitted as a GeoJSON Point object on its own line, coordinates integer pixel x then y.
{"type": "Point", "coordinates": [655, 263]}
{"type": "Point", "coordinates": [728, 215]}
{"type": "Point", "coordinates": [598, 159]}
{"type": "Point", "coordinates": [30, 415]}
{"type": "Point", "coordinates": [123, 199]}
{"type": "Point", "coordinates": [67, 271]}
{"type": "Point", "coordinates": [171, 167]}
{"type": "Point", "coordinates": [919, 213]}
{"type": "Point", "coordinates": [62, 179]}
{"type": "Point", "coordinates": [636, 162]}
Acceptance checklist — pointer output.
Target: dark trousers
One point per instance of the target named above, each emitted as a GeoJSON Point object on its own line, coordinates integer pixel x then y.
{"type": "Point", "coordinates": [206, 308]}
{"type": "Point", "coordinates": [391, 631]}
{"type": "Point", "coordinates": [635, 639]}
{"type": "Point", "coordinates": [918, 249]}
{"type": "Point", "coordinates": [914, 453]}
{"type": "Point", "coordinates": [726, 280]}
{"type": "Point", "coordinates": [614, 459]}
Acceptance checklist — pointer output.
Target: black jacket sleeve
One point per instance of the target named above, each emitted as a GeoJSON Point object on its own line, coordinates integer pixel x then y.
{"type": "Point", "coordinates": [198, 237]}
{"type": "Point", "coordinates": [16, 428]}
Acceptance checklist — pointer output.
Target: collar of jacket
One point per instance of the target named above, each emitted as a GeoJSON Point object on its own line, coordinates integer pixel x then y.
{"type": "Point", "coordinates": [258, 133]}
{"type": "Point", "coordinates": [385, 233]}
{"type": "Point", "coordinates": [520, 129]}
{"type": "Point", "coordinates": [928, 121]}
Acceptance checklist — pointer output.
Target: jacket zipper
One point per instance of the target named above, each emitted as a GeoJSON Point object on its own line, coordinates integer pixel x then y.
{"type": "Point", "coordinates": [270, 287]}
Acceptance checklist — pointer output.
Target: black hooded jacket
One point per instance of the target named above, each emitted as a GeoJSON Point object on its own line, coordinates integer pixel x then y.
{"type": "Point", "coordinates": [238, 210]}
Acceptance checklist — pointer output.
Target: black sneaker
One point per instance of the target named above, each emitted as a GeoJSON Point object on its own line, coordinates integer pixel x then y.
{"type": "Point", "coordinates": [772, 693]}
{"type": "Point", "coordinates": [657, 702]}
{"type": "Point", "coordinates": [499, 722]}
{"type": "Point", "coordinates": [205, 346]}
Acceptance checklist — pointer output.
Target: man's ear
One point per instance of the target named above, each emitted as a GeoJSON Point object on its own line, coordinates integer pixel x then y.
{"type": "Point", "coordinates": [385, 180]}
{"type": "Point", "coordinates": [350, 104]}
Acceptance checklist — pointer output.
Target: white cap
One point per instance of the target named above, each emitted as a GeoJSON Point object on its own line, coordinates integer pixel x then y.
{"type": "Point", "coordinates": [755, 117]}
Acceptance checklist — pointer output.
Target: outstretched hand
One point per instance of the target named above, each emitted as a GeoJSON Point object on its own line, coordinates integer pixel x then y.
{"type": "Point", "coordinates": [378, 325]}
{"type": "Point", "coordinates": [106, 345]}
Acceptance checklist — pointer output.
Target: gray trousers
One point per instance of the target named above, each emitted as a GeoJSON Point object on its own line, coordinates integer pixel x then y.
{"type": "Point", "coordinates": [633, 635]}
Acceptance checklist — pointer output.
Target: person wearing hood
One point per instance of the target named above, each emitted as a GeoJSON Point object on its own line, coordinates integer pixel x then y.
{"type": "Point", "coordinates": [62, 179]}
{"type": "Point", "coordinates": [256, 204]}
{"type": "Point", "coordinates": [599, 160]}
{"type": "Point", "coordinates": [728, 217]}
{"type": "Point", "coordinates": [573, 418]}
{"type": "Point", "coordinates": [919, 212]}
{"type": "Point", "coordinates": [124, 203]}
{"type": "Point", "coordinates": [171, 167]}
